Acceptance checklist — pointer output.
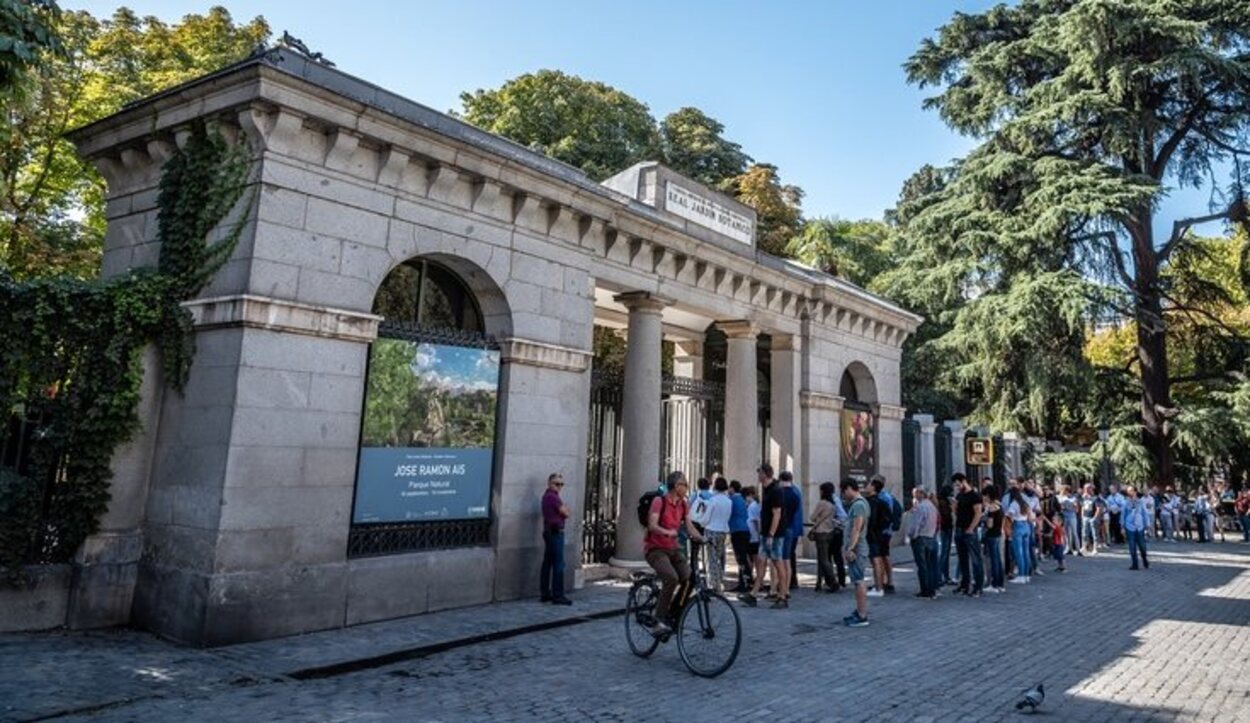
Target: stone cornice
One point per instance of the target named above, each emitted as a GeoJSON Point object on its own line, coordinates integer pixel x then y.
{"type": "Point", "coordinates": [261, 312]}
{"type": "Point", "coordinates": [547, 356]}
{"type": "Point", "coordinates": [819, 400]}
{"type": "Point", "coordinates": [377, 138]}
{"type": "Point", "coordinates": [738, 329]}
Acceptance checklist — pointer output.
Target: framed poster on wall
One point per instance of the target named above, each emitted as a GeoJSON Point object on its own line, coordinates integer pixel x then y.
{"type": "Point", "coordinates": [428, 433]}
{"type": "Point", "coordinates": [859, 443]}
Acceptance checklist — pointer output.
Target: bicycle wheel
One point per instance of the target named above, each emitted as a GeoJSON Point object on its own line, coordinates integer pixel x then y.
{"type": "Point", "coordinates": [709, 635]}
{"type": "Point", "coordinates": [639, 609]}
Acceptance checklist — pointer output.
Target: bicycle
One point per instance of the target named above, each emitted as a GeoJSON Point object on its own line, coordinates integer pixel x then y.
{"type": "Point", "coordinates": [708, 630]}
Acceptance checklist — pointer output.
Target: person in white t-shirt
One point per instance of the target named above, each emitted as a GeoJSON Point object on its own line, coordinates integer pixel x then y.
{"type": "Point", "coordinates": [720, 507]}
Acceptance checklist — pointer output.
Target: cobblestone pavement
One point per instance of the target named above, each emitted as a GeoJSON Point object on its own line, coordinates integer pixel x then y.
{"type": "Point", "coordinates": [1165, 644]}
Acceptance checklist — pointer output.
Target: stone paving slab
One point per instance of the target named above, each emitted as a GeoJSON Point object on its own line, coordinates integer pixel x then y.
{"type": "Point", "coordinates": [1171, 643]}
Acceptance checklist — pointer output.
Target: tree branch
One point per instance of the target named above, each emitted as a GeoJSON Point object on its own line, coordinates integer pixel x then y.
{"type": "Point", "coordinates": [1180, 229]}
{"type": "Point", "coordinates": [1169, 146]}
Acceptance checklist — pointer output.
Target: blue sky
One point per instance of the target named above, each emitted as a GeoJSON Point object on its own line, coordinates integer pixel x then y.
{"type": "Point", "coordinates": [815, 87]}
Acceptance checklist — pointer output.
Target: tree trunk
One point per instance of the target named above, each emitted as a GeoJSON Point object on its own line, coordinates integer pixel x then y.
{"type": "Point", "coordinates": [1152, 352]}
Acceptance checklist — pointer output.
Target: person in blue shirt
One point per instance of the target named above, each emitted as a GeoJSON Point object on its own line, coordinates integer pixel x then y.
{"type": "Point", "coordinates": [1135, 518]}
{"type": "Point", "coordinates": [740, 536]}
{"type": "Point", "coordinates": [794, 513]}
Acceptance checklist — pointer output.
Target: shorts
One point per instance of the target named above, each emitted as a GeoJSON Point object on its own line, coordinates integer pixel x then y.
{"type": "Point", "coordinates": [855, 570]}
{"type": "Point", "coordinates": [879, 549]}
{"type": "Point", "coordinates": [774, 548]}
{"type": "Point", "coordinates": [788, 548]}
{"type": "Point", "coordinates": [753, 548]}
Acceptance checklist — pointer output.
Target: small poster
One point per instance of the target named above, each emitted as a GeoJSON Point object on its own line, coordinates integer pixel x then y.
{"type": "Point", "coordinates": [428, 437]}
{"type": "Point", "coordinates": [859, 443]}
{"type": "Point", "coordinates": [978, 451]}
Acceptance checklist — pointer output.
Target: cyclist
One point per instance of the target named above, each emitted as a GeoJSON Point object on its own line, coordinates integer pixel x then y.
{"type": "Point", "coordinates": [669, 515]}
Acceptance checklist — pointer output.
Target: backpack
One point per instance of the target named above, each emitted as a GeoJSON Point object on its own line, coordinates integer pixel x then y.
{"type": "Point", "coordinates": [896, 514]}
{"type": "Point", "coordinates": [882, 515]}
{"type": "Point", "coordinates": [644, 506]}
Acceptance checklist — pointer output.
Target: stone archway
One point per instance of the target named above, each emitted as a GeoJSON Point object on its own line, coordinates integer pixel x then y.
{"type": "Point", "coordinates": [858, 384]}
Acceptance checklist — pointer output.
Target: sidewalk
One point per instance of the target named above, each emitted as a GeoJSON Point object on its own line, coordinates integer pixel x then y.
{"type": "Point", "coordinates": [60, 673]}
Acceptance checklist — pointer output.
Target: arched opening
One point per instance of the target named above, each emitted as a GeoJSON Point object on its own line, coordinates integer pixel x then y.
{"type": "Point", "coordinates": [858, 422]}
{"type": "Point", "coordinates": [426, 466]}
{"type": "Point", "coordinates": [857, 385]}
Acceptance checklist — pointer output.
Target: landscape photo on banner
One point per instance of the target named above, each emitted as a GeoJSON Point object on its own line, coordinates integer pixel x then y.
{"type": "Point", "coordinates": [859, 443]}
{"type": "Point", "coordinates": [428, 433]}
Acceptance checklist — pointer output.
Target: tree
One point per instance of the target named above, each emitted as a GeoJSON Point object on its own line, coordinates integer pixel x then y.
{"type": "Point", "coordinates": [857, 251]}
{"type": "Point", "coordinates": [1086, 111]}
{"type": "Point", "coordinates": [26, 35]}
{"type": "Point", "coordinates": [779, 217]}
{"type": "Point", "coordinates": [693, 146]}
{"type": "Point", "coordinates": [586, 124]}
{"type": "Point", "coordinates": [51, 202]}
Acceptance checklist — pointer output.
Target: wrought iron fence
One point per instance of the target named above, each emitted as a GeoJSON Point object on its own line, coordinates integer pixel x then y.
{"type": "Point", "coordinates": [945, 464]}
{"type": "Point", "coordinates": [32, 472]}
{"type": "Point", "coordinates": [603, 468]}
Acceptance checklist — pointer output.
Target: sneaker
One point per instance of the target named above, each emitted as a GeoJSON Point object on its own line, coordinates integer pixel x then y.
{"type": "Point", "coordinates": [889, 589]}
{"type": "Point", "coordinates": [780, 604]}
{"type": "Point", "coordinates": [658, 628]}
{"type": "Point", "coordinates": [974, 593]}
{"type": "Point", "coordinates": [748, 599]}
{"type": "Point", "coordinates": [1039, 573]}
{"type": "Point", "coordinates": [544, 599]}
{"type": "Point", "coordinates": [993, 590]}
{"type": "Point", "coordinates": [561, 601]}
{"type": "Point", "coordinates": [1017, 580]}
{"type": "Point", "coordinates": [855, 621]}
{"type": "Point", "coordinates": [876, 593]}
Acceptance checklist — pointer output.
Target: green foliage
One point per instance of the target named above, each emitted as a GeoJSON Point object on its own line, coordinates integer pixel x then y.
{"type": "Point", "coordinates": [71, 360]}
{"type": "Point", "coordinates": [51, 201]}
{"type": "Point", "coordinates": [858, 251]}
{"type": "Point", "coordinates": [1071, 466]}
{"type": "Point", "coordinates": [694, 147]}
{"type": "Point", "coordinates": [1086, 111]}
{"type": "Point", "coordinates": [588, 125]}
{"type": "Point", "coordinates": [777, 205]}
{"type": "Point", "coordinates": [603, 131]}
{"type": "Point", "coordinates": [26, 34]}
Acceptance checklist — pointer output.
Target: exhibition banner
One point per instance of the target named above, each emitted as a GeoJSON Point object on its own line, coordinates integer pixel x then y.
{"type": "Point", "coordinates": [428, 437]}
{"type": "Point", "coordinates": [859, 444]}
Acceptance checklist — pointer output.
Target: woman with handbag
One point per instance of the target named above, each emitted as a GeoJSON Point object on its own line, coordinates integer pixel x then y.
{"type": "Point", "coordinates": [824, 518]}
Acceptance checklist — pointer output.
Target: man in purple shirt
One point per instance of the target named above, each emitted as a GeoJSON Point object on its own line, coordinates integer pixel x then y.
{"type": "Point", "coordinates": [555, 512]}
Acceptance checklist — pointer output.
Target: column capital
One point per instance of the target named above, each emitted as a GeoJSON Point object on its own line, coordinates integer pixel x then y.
{"type": "Point", "coordinates": [739, 329]}
{"type": "Point", "coordinates": [643, 301]}
{"type": "Point", "coordinates": [955, 426]}
{"type": "Point", "coordinates": [688, 347]}
{"type": "Point", "coordinates": [787, 342]}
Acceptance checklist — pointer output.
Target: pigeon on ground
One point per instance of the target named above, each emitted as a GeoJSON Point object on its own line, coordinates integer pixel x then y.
{"type": "Point", "coordinates": [1032, 699]}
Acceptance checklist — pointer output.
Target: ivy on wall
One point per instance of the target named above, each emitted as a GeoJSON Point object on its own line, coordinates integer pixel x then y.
{"type": "Point", "coordinates": [70, 361]}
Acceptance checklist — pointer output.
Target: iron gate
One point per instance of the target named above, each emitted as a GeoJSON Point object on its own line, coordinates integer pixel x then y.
{"type": "Point", "coordinates": [945, 465]}
{"type": "Point", "coordinates": [603, 468]}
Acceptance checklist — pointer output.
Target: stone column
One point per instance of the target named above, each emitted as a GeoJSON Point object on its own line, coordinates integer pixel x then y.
{"type": "Point", "coordinates": [957, 446]}
{"type": "Point", "coordinates": [688, 359]}
{"type": "Point", "coordinates": [640, 421]}
{"type": "Point", "coordinates": [928, 451]}
{"type": "Point", "coordinates": [1011, 454]}
{"type": "Point", "coordinates": [784, 447]}
{"type": "Point", "coordinates": [742, 441]}
{"type": "Point", "coordinates": [890, 449]}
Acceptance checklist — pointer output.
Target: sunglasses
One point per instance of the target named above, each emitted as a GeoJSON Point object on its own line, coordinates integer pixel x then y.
{"type": "Point", "coordinates": [559, 484]}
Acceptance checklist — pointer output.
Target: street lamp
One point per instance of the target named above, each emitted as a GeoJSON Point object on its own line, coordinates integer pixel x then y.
{"type": "Point", "coordinates": [1103, 435]}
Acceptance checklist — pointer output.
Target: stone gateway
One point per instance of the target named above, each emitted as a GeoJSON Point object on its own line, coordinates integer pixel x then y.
{"type": "Point", "coordinates": [399, 353]}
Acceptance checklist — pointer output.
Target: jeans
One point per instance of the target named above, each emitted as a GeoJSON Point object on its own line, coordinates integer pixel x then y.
{"type": "Point", "coordinates": [838, 559]}
{"type": "Point", "coordinates": [672, 569]}
{"type": "Point", "coordinates": [1091, 532]}
{"type": "Point", "coordinates": [994, 550]}
{"type": "Point", "coordinates": [551, 576]}
{"type": "Point", "coordinates": [741, 542]}
{"type": "Point", "coordinates": [1200, 521]}
{"type": "Point", "coordinates": [716, 559]}
{"type": "Point", "coordinates": [944, 555]}
{"type": "Point", "coordinates": [1071, 531]}
{"type": "Point", "coordinates": [924, 550]}
{"type": "Point", "coordinates": [824, 561]}
{"type": "Point", "coordinates": [971, 566]}
{"type": "Point", "coordinates": [1165, 520]}
{"type": "Point", "coordinates": [1245, 527]}
{"type": "Point", "coordinates": [1136, 542]}
{"type": "Point", "coordinates": [1034, 558]}
{"type": "Point", "coordinates": [1021, 533]}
